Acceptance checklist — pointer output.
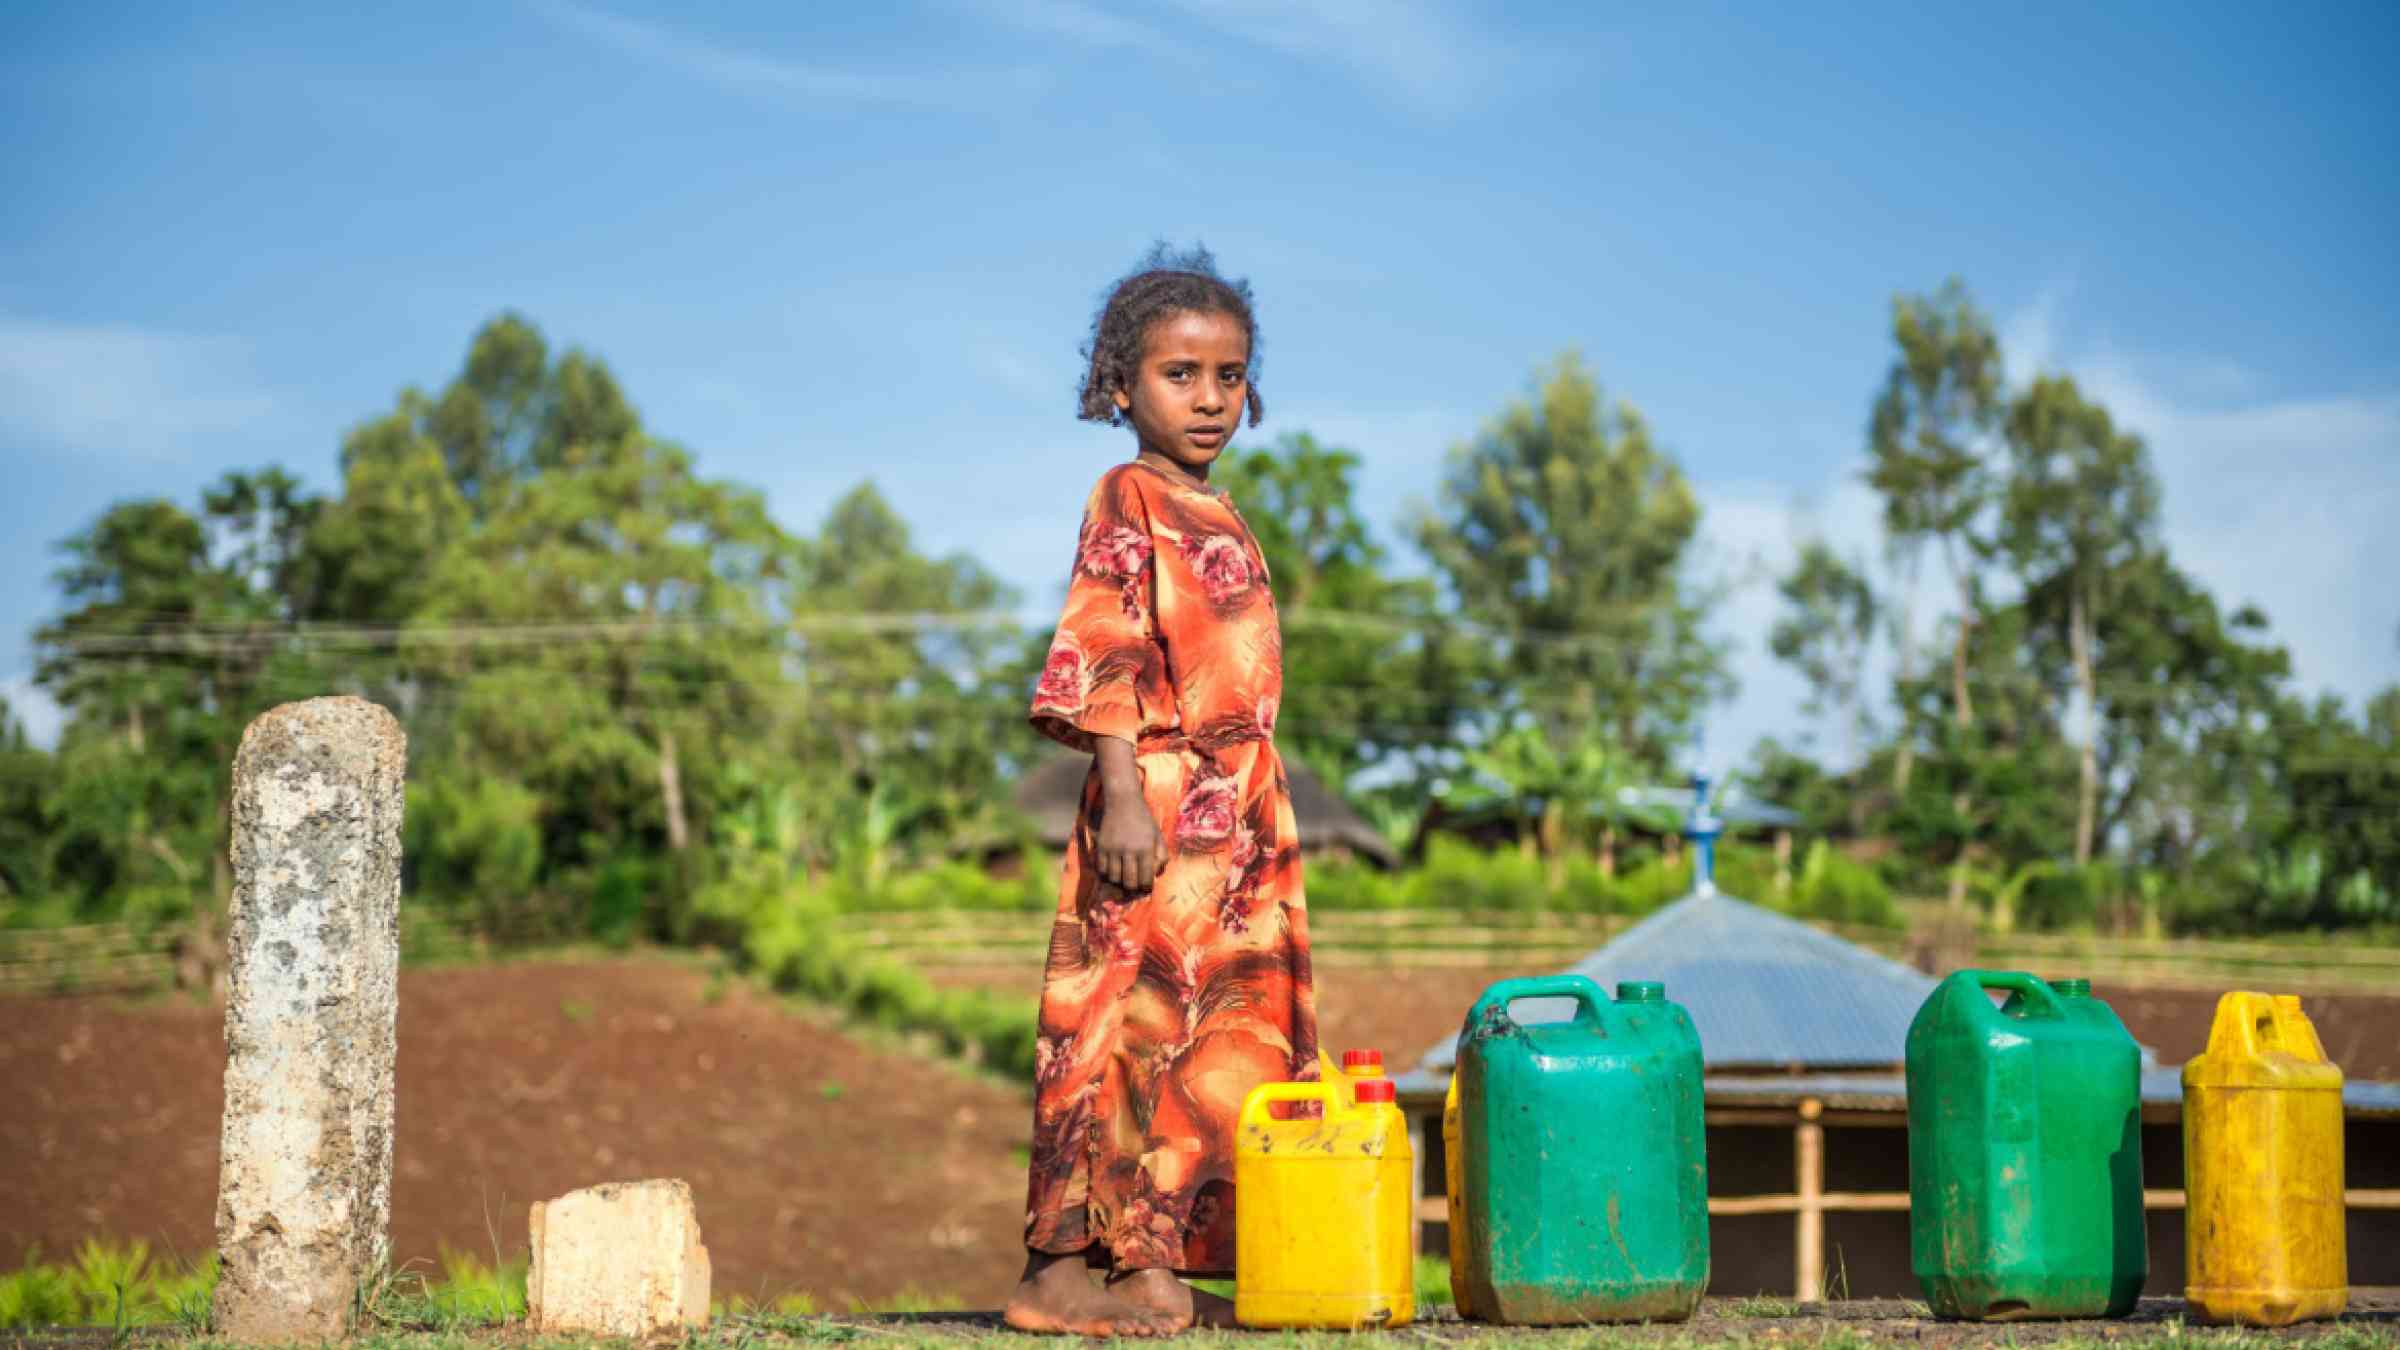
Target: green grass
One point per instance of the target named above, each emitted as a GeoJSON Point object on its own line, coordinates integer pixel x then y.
{"type": "Point", "coordinates": [108, 1284]}
{"type": "Point", "coordinates": [466, 1294]}
{"type": "Point", "coordinates": [465, 1304]}
{"type": "Point", "coordinates": [761, 1332]}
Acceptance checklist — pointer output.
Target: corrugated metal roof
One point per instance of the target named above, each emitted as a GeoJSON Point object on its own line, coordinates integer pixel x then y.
{"type": "Point", "coordinates": [1763, 989]}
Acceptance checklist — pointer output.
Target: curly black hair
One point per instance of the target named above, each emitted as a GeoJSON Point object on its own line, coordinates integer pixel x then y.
{"type": "Point", "coordinates": [1166, 282]}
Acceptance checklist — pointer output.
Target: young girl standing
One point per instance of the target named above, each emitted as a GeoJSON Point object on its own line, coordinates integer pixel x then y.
{"type": "Point", "coordinates": [1178, 976]}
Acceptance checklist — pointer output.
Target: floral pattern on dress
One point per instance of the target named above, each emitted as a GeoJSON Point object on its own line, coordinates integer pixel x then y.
{"type": "Point", "coordinates": [1162, 1009]}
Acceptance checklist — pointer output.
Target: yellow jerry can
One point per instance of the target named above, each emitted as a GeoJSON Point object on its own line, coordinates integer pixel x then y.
{"type": "Point", "coordinates": [1329, 1071]}
{"type": "Point", "coordinates": [1454, 1167]}
{"type": "Point", "coordinates": [2262, 1169]}
{"type": "Point", "coordinates": [1321, 1227]}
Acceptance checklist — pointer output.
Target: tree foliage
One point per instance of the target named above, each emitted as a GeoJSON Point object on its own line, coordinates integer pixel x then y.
{"type": "Point", "coordinates": [640, 705]}
{"type": "Point", "coordinates": [1565, 533]}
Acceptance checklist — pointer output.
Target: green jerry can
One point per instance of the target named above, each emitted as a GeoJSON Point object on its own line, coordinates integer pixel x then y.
{"type": "Point", "coordinates": [2024, 1151]}
{"type": "Point", "coordinates": [1585, 1178]}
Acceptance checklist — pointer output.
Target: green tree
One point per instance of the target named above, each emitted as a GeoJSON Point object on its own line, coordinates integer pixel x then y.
{"type": "Point", "coordinates": [1565, 534]}
{"type": "Point", "coordinates": [1924, 440]}
{"type": "Point", "coordinates": [157, 663]}
{"type": "Point", "coordinates": [904, 685]}
{"type": "Point", "coordinates": [2080, 505]}
{"type": "Point", "coordinates": [1549, 787]}
{"type": "Point", "coordinates": [27, 829]}
{"type": "Point", "coordinates": [371, 554]}
{"type": "Point", "coordinates": [1995, 791]}
{"type": "Point", "coordinates": [2342, 778]}
{"type": "Point", "coordinates": [1829, 625]}
{"type": "Point", "coordinates": [1373, 668]}
{"type": "Point", "coordinates": [653, 573]}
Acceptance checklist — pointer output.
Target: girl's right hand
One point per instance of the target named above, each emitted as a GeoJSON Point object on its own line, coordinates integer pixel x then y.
{"type": "Point", "coordinates": [1132, 849]}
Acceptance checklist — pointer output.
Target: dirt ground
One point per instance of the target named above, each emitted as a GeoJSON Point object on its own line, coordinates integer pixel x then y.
{"type": "Point", "coordinates": [824, 1162]}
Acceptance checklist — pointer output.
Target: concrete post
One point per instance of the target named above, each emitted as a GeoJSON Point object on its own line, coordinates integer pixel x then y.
{"type": "Point", "coordinates": [305, 1176]}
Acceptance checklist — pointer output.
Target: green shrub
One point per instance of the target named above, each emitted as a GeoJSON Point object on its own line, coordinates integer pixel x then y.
{"type": "Point", "coordinates": [474, 842]}
{"type": "Point", "coordinates": [791, 937]}
{"type": "Point", "coordinates": [1835, 888]}
{"type": "Point", "coordinates": [1456, 876]}
{"type": "Point", "coordinates": [1653, 884]}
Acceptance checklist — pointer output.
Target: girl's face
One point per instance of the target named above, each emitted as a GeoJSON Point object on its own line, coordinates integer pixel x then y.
{"type": "Point", "coordinates": [1187, 396]}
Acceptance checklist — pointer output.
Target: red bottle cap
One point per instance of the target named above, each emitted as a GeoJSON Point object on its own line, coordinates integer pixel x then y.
{"type": "Point", "coordinates": [1362, 1059]}
{"type": "Point", "coordinates": [1375, 1090]}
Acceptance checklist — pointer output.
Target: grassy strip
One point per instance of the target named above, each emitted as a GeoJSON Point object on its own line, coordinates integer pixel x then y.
{"type": "Point", "coordinates": [123, 1290]}
{"type": "Point", "coordinates": [797, 952]}
{"type": "Point", "coordinates": [124, 1287]}
{"type": "Point", "coordinates": [746, 1333]}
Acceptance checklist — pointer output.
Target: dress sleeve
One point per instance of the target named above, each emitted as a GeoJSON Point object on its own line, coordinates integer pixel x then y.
{"type": "Point", "coordinates": [1101, 676]}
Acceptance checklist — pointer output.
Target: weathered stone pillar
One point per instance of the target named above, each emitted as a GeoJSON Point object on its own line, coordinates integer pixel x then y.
{"type": "Point", "coordinates": [305, 1177]}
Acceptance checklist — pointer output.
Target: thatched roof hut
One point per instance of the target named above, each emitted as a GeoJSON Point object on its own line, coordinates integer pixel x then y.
{"type": "Point", "coordinates": [1050, 792]}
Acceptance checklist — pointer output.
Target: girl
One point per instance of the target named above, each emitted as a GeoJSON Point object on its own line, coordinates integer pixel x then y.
{"type": "Point", "coordinates": [1178, 976]}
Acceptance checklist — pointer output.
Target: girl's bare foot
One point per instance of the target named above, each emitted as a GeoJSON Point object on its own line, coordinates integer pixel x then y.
{"type": "Point", "coordinates": [1056, 1297]}
{"type": "Point", "coordinates": [1160, 1292]}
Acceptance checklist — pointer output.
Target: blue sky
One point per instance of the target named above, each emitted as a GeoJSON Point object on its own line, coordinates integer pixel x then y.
{"type": "Point", "coordinates": [820, 244]}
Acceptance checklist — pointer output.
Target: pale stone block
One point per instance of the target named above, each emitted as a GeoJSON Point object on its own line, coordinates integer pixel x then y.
{"type": "Point", "coordinates": [311, 1018]}
{"type": "Point", "coordinates": [621, 1259]}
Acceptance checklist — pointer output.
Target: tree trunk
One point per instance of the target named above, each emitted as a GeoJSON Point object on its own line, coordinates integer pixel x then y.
{"type": "Point", "coordinates": [1958, 868]}
{"type": "Point", "coordinates": [1674, 847]}
{"type": "Point", "coordinates": [1608, 851]}
{"type": "Point", "coordinates": [1907, 641]}
{"type": "Point", "coordinates": [1958, 674]}
{"type": "Point", "coordinates": [1553, 819]}
{"type": "Point", "coordinates": [2079, 636]}
{"type": "Point", "coordinates": [1966, 720]}
{"type": "Point", "coordinates": [670, 791]}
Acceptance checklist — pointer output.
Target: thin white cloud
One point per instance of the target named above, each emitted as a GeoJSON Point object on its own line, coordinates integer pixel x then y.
{"type": "Point", "coordinates": [2284, 504]}
{"type": "Point", "coordinates": [2287, 505]}
{"type": "Point", "coordinates": [1751, 533]}
{"type": "Point", "coordinates": [123, 392]}
{"type": "Point", "coordinates": [1433, 56]}
{"type": "Point", "coordinates": [2029, 338]}
{"type": "Point", "coordinates": [775, 77]}
{"type": "Point", "coordinates": [1077, 21]}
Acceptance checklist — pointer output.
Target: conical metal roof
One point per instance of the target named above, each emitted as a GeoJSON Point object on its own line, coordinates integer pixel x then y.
{"type": "Point", "coordinates": [1764, 990]}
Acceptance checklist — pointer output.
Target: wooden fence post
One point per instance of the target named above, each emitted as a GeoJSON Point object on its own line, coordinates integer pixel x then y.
{"type": "Point", "coordinates": [1808, 1243]}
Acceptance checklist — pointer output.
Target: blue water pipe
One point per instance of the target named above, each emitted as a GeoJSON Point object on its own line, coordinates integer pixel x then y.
{"type": "Point", "coordinates": [1702, 829]}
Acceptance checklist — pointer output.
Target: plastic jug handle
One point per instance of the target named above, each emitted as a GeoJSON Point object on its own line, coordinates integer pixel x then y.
{"type": "Point", "coordinates": [1580, 988]}
{"type": "Point", "coordinates": [2294, 1034]}
{"type": "Point", "coordinates": [2040, 999]}
{"type": "Point", "coordinates": [1254, 1106]}
{"type": "Point", "coordinates": [2245, 1021]}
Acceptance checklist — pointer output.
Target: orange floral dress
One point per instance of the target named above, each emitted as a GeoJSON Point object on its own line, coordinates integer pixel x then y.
{"type": "Point", "coordinates": [1162, 1010]}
